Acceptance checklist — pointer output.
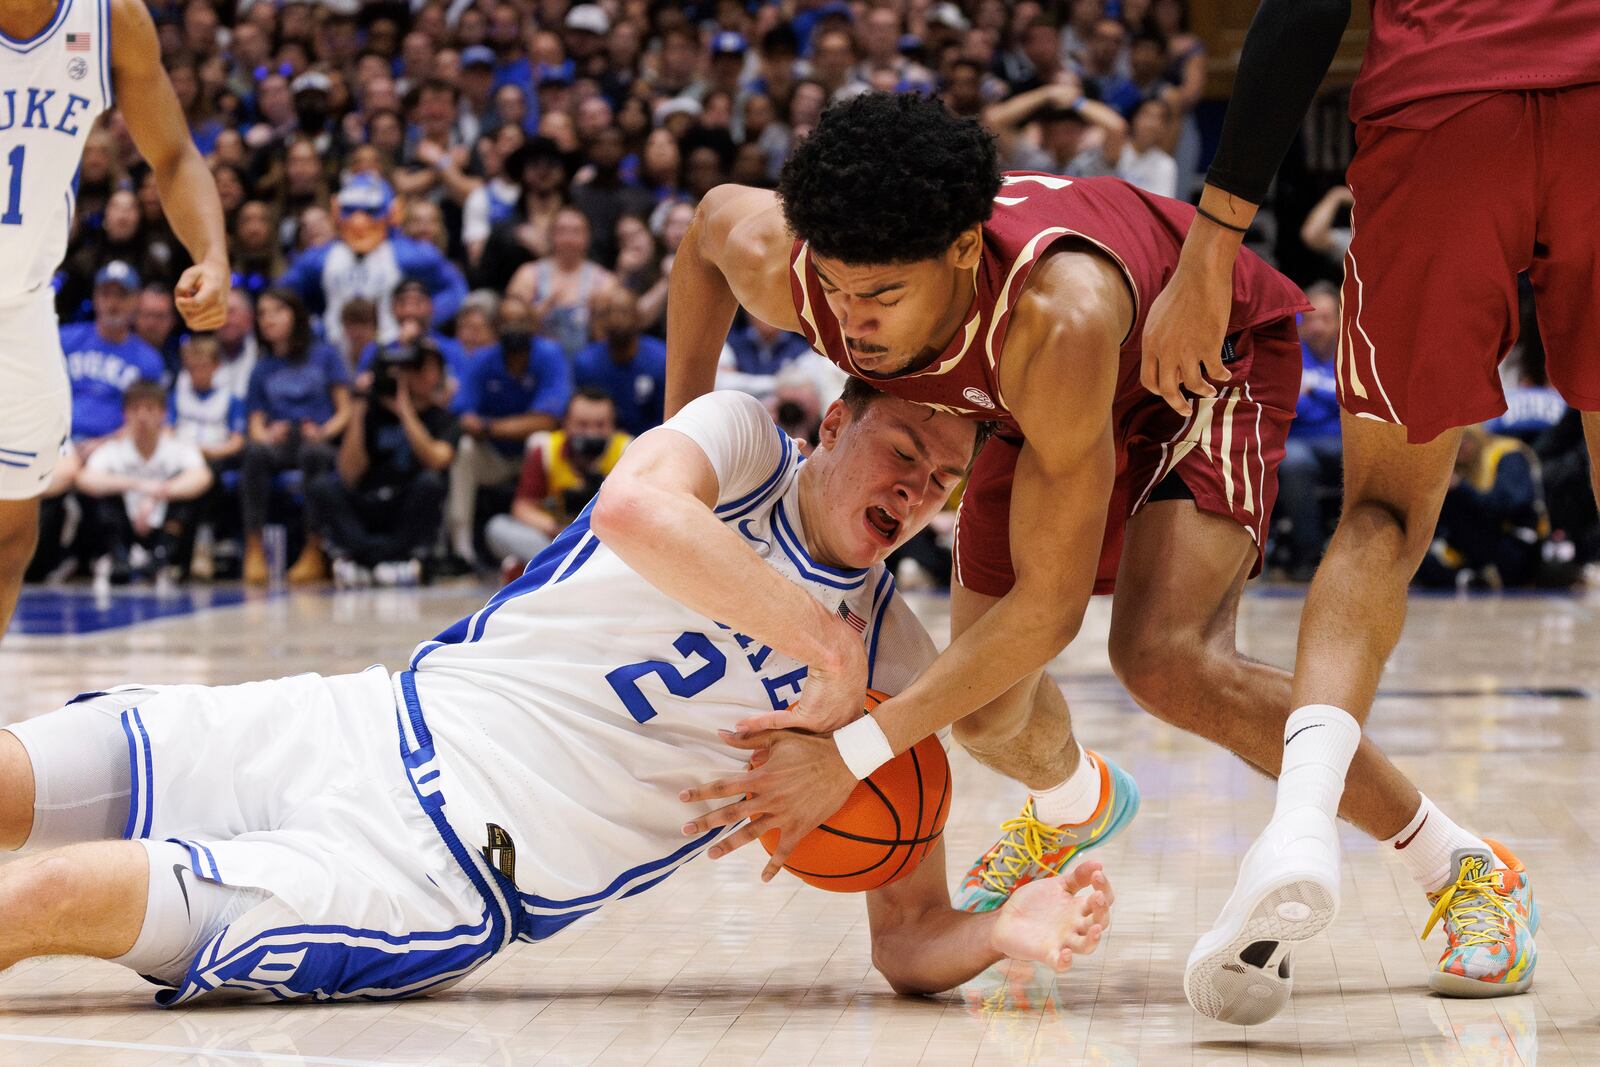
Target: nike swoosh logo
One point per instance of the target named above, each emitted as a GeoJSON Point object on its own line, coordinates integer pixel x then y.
{"type": "Point", "coordinates": [1302, 730]}
{"type": "Point", "coordinates": [1414, 833]}
{"type": "Point", "coordinates": [177, 872]}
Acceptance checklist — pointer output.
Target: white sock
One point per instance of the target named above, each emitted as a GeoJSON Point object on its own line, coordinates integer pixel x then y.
{"type": "Point", "coordinates": [1318, 741]}
{"type": "Point", "coordinates": [1426, 843]}
{"type": "Point", "coordinates": [1074, 800]}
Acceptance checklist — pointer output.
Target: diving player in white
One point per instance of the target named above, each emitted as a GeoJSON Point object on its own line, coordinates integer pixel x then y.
{"type": "Point", "coordinates": [62, 63]}
{"type": "Point", "coordinates": [382, 835]}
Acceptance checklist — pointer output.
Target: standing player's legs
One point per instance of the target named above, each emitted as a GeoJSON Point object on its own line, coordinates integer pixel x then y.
{"type": "Point", "coordinates": [35, 412]}
{"type": "Point", "coordinates": [1173, 644]}
{"type": "Point", "coordinates": [1357, 603]}
{"type": "Point", "coordinates": [1591, 433]}
{"type": "Point", "coordinates": [1564, 274]}
{"type": "Point", "coordinates": [1078, 799]}
{"type": "Point", "coordinates": [1429, 305]}
{"type": "Point", "coordinates": [19, 535]}
{"type": "Point", "coordinates": [1026, 732]}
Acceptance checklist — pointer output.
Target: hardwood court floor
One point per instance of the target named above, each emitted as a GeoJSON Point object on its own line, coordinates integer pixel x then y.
{"type": "Point", "coordinates": [1491, 705]}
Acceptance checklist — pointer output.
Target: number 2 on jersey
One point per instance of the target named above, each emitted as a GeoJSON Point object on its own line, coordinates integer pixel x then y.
{"type": "Point", "coordinates": [625, 680]}
{"type": "Point", "coordinates": [13, 215]}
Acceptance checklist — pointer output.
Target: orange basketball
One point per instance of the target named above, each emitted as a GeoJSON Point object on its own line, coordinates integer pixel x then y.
{"type": "Point", "coordinates": [891, 821]}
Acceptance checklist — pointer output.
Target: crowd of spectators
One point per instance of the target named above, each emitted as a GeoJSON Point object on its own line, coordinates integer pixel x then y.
{"type": "Point", "coordinates": [452, 224]}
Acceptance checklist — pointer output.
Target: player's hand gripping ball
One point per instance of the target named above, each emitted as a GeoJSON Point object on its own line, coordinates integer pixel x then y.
{"type": "Point", "coordinates": [889, 823]}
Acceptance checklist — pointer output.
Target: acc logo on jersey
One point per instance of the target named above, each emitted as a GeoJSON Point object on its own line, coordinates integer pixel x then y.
{"type": "Point", "coordinates": [77, 68]}
{"type": "Point", "coordinates": [978, 396]}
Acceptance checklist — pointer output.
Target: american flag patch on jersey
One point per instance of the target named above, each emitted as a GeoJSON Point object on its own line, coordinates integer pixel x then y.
{"type": "Point", "coordinates": [857, 623]}
{"type": "Point", "coordinates": [77, 42]}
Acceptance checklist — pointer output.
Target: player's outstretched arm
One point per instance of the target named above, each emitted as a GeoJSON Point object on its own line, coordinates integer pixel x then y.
{"type": "Point", "coordinates": [923, 945]}
{"type": "Point", "coordinates": [1059, 372]}
{"type": "Point", "coordinates": [734, 253]}
{"type": "Point", "coordinates": [1285, 57]}
{"type": "Point", "coordinates": [188, 194]}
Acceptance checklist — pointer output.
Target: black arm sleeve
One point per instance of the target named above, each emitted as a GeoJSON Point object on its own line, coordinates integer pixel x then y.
{"type": "Point", "coordinates": [1286, 54]}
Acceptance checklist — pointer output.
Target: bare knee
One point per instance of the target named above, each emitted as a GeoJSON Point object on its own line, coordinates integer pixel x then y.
{"type": "Point", "coordinates": [1161, 669]}
{"type": "Point", "coordinates": [46, 889]}
{"type": "Point", "coordinates": [19, 534]}
{"type": "Point", "coordinates": [86, 899]}
{"type": "Point", "coordinates": [1382, 532]}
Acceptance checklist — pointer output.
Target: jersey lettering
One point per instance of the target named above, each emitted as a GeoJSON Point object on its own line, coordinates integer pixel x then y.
{"type": "Point", "coordinates": [774, 686]}
{"type": "Point", "coordinates": [36, 105]}
{"type": "Point", "coordinates": [49, 100]}
{"type": "Point", "coordinates": [108, 367]}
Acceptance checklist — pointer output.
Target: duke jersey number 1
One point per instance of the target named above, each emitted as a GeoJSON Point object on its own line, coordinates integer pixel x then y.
{"type": "Point", "coordinates": [53, 86]}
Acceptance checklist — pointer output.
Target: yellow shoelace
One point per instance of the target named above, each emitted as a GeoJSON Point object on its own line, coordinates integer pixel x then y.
{"type": "Point", "coordinates": [1027, 839]}
{"type": "Point", "coordinates": [1472, 899]}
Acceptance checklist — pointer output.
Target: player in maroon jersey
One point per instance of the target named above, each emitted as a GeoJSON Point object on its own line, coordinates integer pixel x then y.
{"type": "Point", "coordinates": [1478, 142]}
{"type": "Point", "coordinates": [903, 255]}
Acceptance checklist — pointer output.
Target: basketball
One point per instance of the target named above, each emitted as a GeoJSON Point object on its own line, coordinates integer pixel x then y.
{"type": "Point", "coordinates": [886, 827]}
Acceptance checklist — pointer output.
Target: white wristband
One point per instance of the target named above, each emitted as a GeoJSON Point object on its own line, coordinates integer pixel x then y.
{"type": "Point", "coordinates": [863, 746]}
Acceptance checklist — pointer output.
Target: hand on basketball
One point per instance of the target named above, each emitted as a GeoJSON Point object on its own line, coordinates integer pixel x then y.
{"type": "Point", "coordinates": [1183, 334]}
{"type": "Point", "coordinates": [794, 783]}
{"type": "Point", "coordinates": [1049, 920]}
{"type": "Point", "coordinates": [201, 296]}
{"type": "Point", "coordinates": [833, 697]}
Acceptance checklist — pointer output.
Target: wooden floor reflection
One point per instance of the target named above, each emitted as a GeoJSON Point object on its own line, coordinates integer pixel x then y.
{"type": "Point", "coordinates": [1490, 704]}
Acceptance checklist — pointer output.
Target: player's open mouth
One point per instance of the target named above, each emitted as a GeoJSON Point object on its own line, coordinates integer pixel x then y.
{"type": "Point", "coordinates": [881, 522]}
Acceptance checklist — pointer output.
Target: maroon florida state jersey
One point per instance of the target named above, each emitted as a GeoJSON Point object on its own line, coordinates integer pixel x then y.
{"type": "Point", "coordinates": [1140, 232]}
{"type": "Point", "coordinates": [1420, 49]}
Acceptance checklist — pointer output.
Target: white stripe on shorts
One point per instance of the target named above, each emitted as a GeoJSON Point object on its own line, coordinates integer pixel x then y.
{"type": "Point", "coordinates": [1347, 363]}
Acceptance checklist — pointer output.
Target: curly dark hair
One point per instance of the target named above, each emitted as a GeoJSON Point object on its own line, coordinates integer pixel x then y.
{"type": "Point", "coordinates": [889, 178]}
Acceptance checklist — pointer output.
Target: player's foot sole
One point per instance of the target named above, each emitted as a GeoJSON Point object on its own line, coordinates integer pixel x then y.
{"type": "Point", "coordinates": [1241, 971]}
{"type": "Point", "coordinates": [1456, 985]}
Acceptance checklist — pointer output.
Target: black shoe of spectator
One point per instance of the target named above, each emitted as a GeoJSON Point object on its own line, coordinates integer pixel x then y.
{"type": "Point", "coordinates": [451, 566]}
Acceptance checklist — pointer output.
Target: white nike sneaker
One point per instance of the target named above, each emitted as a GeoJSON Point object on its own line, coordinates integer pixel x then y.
{"type": "Point", "coordinates": [1288, 892]}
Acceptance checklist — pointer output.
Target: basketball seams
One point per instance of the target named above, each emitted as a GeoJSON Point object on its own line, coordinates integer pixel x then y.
{"type": "Point", "coordinates": [910, 846]}
{"type": "Point", "coordinates": [939, 811]}
{"type": "Point", "coordinates": [884, 800]}
{"type": "Point", "coordinates": [890, 842]}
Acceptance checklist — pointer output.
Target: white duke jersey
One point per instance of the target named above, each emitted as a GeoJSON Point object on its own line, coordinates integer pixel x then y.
{"type": "Point", "coordinates": [570, 710]}
{"type": "Point", "coordinates": [52, 88]}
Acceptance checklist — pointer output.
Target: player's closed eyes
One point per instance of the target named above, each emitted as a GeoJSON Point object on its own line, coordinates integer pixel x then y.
{"type": "Point", "coordinates": [937, 484]}
{"type": "Point", "coordinates": [830, 292]}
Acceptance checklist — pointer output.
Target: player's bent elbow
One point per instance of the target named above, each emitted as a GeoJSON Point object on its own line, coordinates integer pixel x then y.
{"type": "Point", "coordinates": [902, 979]}
{"type": "Point", "coordinates": [619, 512]}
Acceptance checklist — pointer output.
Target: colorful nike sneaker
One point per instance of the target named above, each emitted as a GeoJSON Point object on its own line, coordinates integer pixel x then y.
{"type": "Point", "coordinates": [1490, 918]}
{"type": "Point", "coordinates": [1030, 849]}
